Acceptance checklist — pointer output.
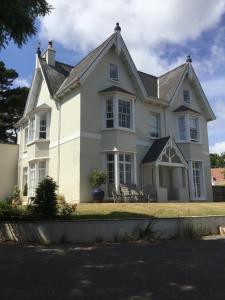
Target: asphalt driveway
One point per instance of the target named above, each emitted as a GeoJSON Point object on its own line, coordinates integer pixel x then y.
{"type": "Point", "coordinates": [160, 270]}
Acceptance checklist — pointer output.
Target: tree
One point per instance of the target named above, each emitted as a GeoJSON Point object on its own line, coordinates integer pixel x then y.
{"type": "Point", "coordinates": [45, 201]}
{"type": "Point", "coordinates": [12, 103]}
{"type": "Point", "coordinates": [17, 19]}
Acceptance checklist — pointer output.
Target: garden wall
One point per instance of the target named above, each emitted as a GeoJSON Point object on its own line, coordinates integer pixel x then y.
{"type": "Point", "coordinates": [104, 230]}
{"type": "Point", "coordinates": [8, 168]}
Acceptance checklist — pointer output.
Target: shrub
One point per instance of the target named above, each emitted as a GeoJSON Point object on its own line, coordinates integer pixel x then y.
{"type": "Point", "coordinates": [67, 210]}
{"type": "Point", "coordinates": [61, 199]}
{"type": "Point", "coordinates": [97, 178]}
{"type": "Point", "coordinates": [45, 201]}
{"type": "Point", "coordinates": [15, 197]}
{"type": "Point", "coordinates": [25, 190]}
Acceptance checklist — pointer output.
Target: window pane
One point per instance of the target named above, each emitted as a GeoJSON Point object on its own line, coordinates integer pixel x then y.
{"type": "Point", "coordinates": [124, 110]}
{"type": "Point", "coordinates": [194, 129]}
{"type": "Point", "coordinates": [155, 125]}
{"type": "Point", "coordinates": [113, 72]}
{"type": "Point", "coordinates": [43, 126]}
{"type": "Point", "coordinates": [197, 168]}
{"type": "Point", "coordinates": [42, 170]}
{"type": "Point", "coordinates": [31, 129]}
{"type": "Point", "coordinates": [182, 129]}
{"type": "Point", "coordinates": [32, 180]}
{"type": "Point", "coordinates": [186, 95]}
{"type": "Point", "coordinates": [109, 113]}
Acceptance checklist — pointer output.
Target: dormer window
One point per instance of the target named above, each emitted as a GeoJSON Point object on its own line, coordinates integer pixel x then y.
{"type": "Point", "coordinates": [187, 96]}
{"type": "Point", "coordinates": [113, 72]}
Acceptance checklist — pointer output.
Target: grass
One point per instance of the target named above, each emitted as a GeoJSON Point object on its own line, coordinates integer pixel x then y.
{"type": "Point", "coordinates": [145, 210]}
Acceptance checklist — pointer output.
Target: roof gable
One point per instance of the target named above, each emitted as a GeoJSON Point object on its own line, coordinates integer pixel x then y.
{"type": "Point", "coordinates": [164, 151]}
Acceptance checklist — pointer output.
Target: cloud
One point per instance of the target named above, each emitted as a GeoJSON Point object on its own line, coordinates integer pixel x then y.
{"type": "Point", "coordinates": [218, 148]}
{"type": "Point", "coordinates": [21, 82]}
{"type": "Point", "coordinates": [146, 24]}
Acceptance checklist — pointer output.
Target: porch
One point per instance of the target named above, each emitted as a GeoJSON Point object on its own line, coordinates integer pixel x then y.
{"type": "Point", "coordinates": [164, 170]}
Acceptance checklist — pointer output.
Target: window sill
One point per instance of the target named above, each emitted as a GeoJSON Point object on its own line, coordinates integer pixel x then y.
{"type": "Point", "coordinates": [189, 142]}
{"type": "Point", "coordinates": [114, 80]}
{"type": "Point", "coordinates": [38, 141]}
{"type": "Point", "coordinates": [119, 128]}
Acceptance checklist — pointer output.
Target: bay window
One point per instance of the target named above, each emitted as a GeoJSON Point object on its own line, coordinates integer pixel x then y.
{"type": "Point", "coordinates": [118, 113]}
{"type": "Point", "coordinates": [120, 169]}
{"type": "Point", "coordinates": [38, 126]}
{"type": "Point", "coordinates": [188, 129]}
{"type": "Point", "coordinates": [154, 125]}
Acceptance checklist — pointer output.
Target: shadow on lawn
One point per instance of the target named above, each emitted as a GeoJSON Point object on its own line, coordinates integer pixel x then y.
{"type": "Point", "coordinates": [113, 215]}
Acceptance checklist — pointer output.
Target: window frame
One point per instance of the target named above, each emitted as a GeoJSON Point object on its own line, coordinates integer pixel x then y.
{"type": "Point", "coordinates": [158, 119]}
{"type": "Point", "coordinates": [116, 79]}
{"type": "Point", "coordinates": [186, 91]}
{"type": "Point", "coordinates": [192, 179]}
{"type": "Point", "coordinates": [123, 114]}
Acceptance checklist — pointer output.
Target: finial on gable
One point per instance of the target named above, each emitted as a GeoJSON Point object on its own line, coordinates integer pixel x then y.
{"type": "Point", "coordinates": [39, 49]}
{"type": "Point", "coordinates": [117, 28]}
{"type": "Point", "coordinates": [188, 60]}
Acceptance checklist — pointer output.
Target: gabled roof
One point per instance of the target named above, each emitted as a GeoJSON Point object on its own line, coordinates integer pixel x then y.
{"type": "Point", "coordinates": [155, 150]}
{"type": "Point", "coordinates": [169, 82]}
{"type": "Point", "coordinates": [184, 108]}
{"type": "Point", "coordinates": [79, 69]}
{"type": "Point", "coordinates": [150, 84]}
{"type": "Point", "coordinates": [115, 88]}
{"type": "Point", "coordinates": [54, 75]}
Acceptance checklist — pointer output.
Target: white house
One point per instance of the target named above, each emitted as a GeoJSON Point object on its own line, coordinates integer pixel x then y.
{"type": "Point", "coordinates": [105, 114]}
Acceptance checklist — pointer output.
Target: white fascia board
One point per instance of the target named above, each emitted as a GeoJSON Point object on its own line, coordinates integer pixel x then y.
{"type": "Point", "coordinates": [203, 96]}
{"type": "Point", "coordinates": [179, 84]}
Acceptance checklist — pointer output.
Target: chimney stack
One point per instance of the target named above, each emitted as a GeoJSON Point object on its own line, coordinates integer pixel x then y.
{"type": "Point", "coordinates": [50, 54]}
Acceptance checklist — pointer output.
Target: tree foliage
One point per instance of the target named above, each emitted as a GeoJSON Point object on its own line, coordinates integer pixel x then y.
{"type": "Point", "coordinates": [17, 19]}
{"type": "Point", "coordinates": [12, 103]}
{"type": "Point", "coordinates": [45, 201]}
{"type": "Point", "coordinates": [217, 161]}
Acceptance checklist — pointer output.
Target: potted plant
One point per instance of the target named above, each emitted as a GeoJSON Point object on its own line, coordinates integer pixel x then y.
{"type": "Point", "coordinates": [97, 178]}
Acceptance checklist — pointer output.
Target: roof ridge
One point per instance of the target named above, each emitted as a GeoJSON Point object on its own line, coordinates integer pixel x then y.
{"type": "Point", "coordinates": [172, 70]}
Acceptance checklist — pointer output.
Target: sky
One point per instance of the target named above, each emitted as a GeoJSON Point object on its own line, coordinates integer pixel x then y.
{"type": "Point", "coordinates": [158, 34]}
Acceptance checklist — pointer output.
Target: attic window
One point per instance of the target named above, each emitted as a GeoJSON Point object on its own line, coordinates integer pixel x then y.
{"type": "Point", "coordinates": [187, 96]}
{"type": "Point", "coordinates": [113, 72]}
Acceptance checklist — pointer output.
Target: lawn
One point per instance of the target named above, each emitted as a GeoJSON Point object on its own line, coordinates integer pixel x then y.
{"type": "Point", "coordinates": [144, 210]}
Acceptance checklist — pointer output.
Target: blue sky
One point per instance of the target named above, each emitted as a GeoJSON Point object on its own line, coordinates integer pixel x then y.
{"type": "Point", "coordinates": [158, 35]}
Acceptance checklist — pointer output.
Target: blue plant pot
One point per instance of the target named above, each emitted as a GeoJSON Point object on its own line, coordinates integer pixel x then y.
{"type": "Point", "coordinates": [98, 195]}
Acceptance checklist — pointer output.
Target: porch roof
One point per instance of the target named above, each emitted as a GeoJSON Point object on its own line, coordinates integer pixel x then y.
{"type": "Point", "coordinates": [155, 150]}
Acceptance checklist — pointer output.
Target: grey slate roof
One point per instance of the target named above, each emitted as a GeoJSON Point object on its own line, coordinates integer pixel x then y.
{"type": "Point", "coordinates": [54, 76]}
{"type": "Point", "coordinates": [62, 75]}
{"type": "Point", "coordinates": [169, 82]}
{"type": "Point", "coordinates": [115, 88]}
{"type": "Point", "coordinates": [184, 108]}
{"type": "Point", "coordinates": [155, 150]}
{"type": "Point", "coordinates": [150, 83]}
